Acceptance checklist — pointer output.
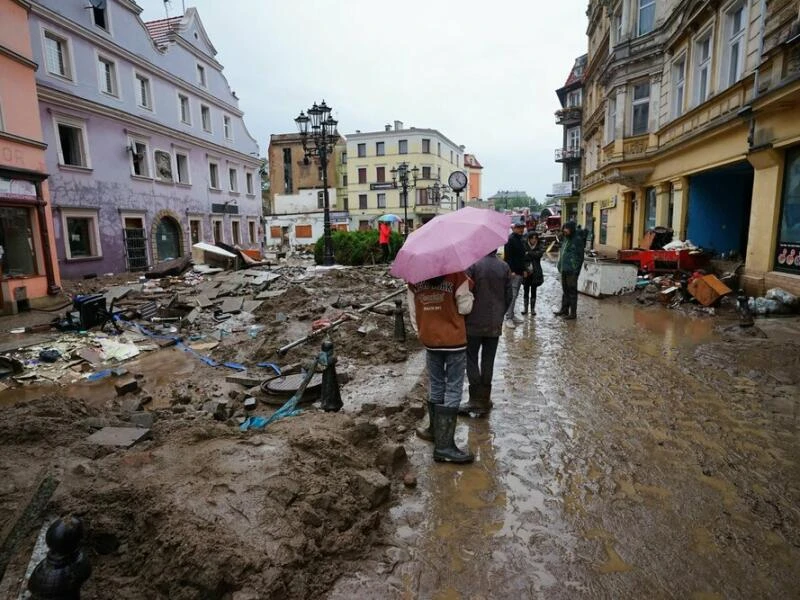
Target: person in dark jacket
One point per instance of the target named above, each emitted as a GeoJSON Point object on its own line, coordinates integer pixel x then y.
{"type": "Point", "coordinates": [514, 253]}
{"type": "Point", "coordinates": [534, 277]}
{"type": "Point", "coordinates": [492, 296]}
{"type": "Point", "coordinates": [570, 261]}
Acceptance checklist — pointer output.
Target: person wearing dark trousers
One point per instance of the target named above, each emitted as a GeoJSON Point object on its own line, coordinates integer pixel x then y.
{"type": "Point", "coordinates": [492, 296]}
{"type": "Point", "coordinates": [514, 253]}
{"type": "Point", "coordinates": [534, 277]}
{"type": "Point", "coordinates": [570, 261]}
{"type": "Point", "coordinates": [384, 235]}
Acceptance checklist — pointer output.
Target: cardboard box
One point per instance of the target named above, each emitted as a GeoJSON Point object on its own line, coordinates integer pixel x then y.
{"type": "Point", "coordinates": [708, 289]}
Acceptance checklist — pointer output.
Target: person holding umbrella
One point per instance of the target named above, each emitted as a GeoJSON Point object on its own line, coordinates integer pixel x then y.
{"type": "Point", "coordinates": [433, 260]}
{"type": "Point", "coordinates": [384, 232]}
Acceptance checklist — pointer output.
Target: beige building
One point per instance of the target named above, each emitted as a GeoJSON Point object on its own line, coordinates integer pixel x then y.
{"type": "Point", "coordinates": [690, 121]}
{"type": "Point", "coordinates": [370, 159]}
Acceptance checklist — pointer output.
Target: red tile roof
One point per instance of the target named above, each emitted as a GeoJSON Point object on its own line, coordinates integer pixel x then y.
{"type": "Point", "coordinates": [161, 29]}
{"type": "Point", "coordinates": [471, 161]}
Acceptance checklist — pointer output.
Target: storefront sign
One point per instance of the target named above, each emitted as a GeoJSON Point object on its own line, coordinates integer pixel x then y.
{"type": "Point", "coordinates": [562, 188]}
{"type": "Point", "coordinates": [608, 203]}
{"type": "Point", "coordinates": [17, 188]}
{"type": "Point", "coordinates": [787, 253]}
{"type": "Point", "coordinates": [382, 186]}
{"type": "Point", "coordinates": [225, 209]}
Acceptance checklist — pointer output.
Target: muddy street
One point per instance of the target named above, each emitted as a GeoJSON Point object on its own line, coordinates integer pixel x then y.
{"type": "Point", "coordinates": [633, 453]}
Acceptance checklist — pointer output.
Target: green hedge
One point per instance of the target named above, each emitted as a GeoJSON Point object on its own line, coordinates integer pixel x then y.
{"type": "Point", "coordinates": [355, 248]}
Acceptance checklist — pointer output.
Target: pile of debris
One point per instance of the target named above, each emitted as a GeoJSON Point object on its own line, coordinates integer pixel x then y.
{"type": "Point", "coordinates": [700, 289]}
{"type": "Point", "coordinates": [775, 302]}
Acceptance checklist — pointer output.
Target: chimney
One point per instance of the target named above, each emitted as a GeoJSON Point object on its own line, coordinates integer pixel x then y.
{"type": "Point", "coordinates": [388, 127]}
{"type": "Point", "coordinates": [358, 131]}
{"type": "Point", "coordinates": [398, 125]}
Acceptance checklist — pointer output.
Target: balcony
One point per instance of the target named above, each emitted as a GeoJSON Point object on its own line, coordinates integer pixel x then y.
{"type": "Point", "coordinates": [569, 116]}
{"type": "Point", "coordinates": [568, 154]}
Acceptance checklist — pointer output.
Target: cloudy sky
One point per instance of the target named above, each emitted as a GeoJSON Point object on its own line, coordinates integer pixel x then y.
{"type": "Point", "coordinates": [481, 72]}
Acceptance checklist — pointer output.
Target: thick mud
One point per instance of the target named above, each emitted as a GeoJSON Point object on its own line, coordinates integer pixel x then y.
{"type": "Point", "coordinates": [633, 453]}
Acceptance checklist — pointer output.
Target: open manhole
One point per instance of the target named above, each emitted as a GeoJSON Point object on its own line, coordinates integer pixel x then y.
{"type": "Point", "coordinates": [284, 387]}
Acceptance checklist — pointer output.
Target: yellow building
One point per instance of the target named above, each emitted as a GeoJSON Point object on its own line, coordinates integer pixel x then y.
{"type": "Point", "coordinates": [370, 159]}
{"type": "Point", "coordinates": [690, 122]}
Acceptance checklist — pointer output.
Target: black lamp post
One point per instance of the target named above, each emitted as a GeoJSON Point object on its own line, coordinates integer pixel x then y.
{"type": "Point", "coordinates": [401, 174]}
{"type": "Point", "coordinates": [319, 142]}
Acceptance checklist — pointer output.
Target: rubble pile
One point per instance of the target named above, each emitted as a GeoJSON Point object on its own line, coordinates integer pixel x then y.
{"type": "Point", "coordinates": [699, 291]}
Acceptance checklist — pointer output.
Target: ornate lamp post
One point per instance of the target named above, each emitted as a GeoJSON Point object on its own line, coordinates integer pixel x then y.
{"type": "Point", "coordinates": [319, 141]}
{"type": "Point", "coordinates": [401, 173]}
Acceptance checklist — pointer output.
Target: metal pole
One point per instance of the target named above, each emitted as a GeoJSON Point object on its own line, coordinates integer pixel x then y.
{"type": "Point", "coordinates": [404, 181]}
{"type": "Point", "coordinates": [327, 250]}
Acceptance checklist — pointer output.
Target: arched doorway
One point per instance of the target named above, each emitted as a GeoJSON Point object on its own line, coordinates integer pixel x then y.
{"type": "Point", "coordinates": [168, 239]}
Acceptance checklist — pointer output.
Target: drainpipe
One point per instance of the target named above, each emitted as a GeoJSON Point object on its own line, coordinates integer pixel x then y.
{"type": "Point", "coordinates": [757, 78]}
{"type": "Point", "coordinates": [44, 234]}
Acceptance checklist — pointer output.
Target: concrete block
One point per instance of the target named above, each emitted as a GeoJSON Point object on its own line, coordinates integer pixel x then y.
{"type": "Point", "coordinates": [126, 386]}
{"type": "Point", "coordinates": [244, 379]}
{"type": "Point", "coordinates": [123, 437]}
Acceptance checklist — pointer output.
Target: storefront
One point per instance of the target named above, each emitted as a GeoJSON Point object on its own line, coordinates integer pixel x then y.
{"type": "Point", "coordinates": [787, 250]}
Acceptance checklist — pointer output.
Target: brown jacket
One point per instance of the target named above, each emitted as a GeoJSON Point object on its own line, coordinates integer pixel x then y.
{"type": "Point", "coordinates": [437, 311]}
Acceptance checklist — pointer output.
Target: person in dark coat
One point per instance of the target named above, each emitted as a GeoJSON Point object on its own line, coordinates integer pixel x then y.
{"type": "Point", "coordinates": [514, 253]}
{"type": "Point", "coordinates": [570, 261]}
{"type": "Point", "coordinates": [534, 277]}
{"type": "Point", "coordinates": [492, 296]}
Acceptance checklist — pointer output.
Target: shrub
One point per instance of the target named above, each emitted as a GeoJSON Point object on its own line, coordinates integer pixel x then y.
{"type": "Point", "coordinates": [354, 248]}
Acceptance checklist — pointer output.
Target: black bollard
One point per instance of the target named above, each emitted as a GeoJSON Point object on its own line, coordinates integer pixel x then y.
{"type": "Point", "coordinates": [745, 316]}
{"type": "Point", "coordinates": [331, 398]}
{"type": "Point", "coordinates": [65, 568]}
{"type": "Point", "coordinates": [399, 322]}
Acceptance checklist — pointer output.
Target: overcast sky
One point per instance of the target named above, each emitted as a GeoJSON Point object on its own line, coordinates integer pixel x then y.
{"type": "Point", "coordinates": [484, 73]}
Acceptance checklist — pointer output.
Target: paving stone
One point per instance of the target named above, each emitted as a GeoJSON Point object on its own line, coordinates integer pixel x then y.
{"type": "Point", "coordinates": [124, 437]}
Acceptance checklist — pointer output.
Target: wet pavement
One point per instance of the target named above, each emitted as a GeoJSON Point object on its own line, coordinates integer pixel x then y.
{"type": "Point", "coordinates": [633, 453]}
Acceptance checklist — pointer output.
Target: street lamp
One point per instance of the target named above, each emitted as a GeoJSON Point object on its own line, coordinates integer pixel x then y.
{"type": "Point", "coordinates": [438, 192]}
{"type": "Point", "coordinates": [320, 142]}
{"type": "Point", "coordinates": [401, 174]}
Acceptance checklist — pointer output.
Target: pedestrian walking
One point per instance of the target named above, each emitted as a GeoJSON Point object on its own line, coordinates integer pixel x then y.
{"type": "Point", "coordinates": [570, 261]}
{"type": "Point", "coordinates": [534, 277]}
{"type": "Point", "coordinates": [514, 253]}
{"type": "Point", "coordinates": [437, 307]}
{"type": "Point", "coordinates": [384, 234]}
{"type": "Point", "coordinates": [492, 293]}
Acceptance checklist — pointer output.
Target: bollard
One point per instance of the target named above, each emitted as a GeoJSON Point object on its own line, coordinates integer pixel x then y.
{"type": "Point", "coordinates": [331, 398]}
{"type": "Point", "coordinates": [65, 568]}
{"type": "Point", "coordinates": [399, 323]}
{"type": "Point", "coordinates": [745, 316]}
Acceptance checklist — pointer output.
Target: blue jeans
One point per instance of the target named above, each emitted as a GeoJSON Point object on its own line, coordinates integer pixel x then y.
{"type": "Point", "coordinates": [516, 282]}
{"type": "Point", "coordinates": [446, 374]}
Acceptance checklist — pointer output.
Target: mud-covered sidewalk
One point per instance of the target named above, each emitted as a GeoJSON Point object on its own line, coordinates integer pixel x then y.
{"type": "Point", "coordinates": [634, 453]}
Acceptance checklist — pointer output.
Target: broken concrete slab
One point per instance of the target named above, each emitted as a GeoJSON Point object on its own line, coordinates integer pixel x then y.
{"type": "Point", "coordinates": [267, 294]}
{"type": "Point", "coordinates": [193, 315]}
{"type": "Point", "coordinates": [123, 437]}
{"type": "Point", "coordinates": [244, 379]}
{"type": "Point", "coordinates": [232, 305]}
{"type": "Point", "coordinates": [204, 301]}
{"type": "Point", "coordinates": [250, 306]}
{"type": "Point", "coordinates": [143, 419]}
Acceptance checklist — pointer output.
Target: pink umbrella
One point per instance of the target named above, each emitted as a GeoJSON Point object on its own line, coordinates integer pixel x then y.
{"type": "Point", "coordinates": [450, 243]}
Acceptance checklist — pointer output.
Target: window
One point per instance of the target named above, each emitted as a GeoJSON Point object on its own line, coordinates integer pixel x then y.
{"type": "Point", "coordinates": [16, 237]}
{"type": "Point", "coordinates": [302, 231]}
{"type": "Point", "coordinates": [217, 228]}
{"type": "Point", "coordinates": [678, 86]}
{"type": "Point", "coordinates": [251, 231]}
{"type": "Point", "coordinates": [196, 230]}
{"type": "Point", "coordinates": [702, 53]}
{"type": "Point", "coordinates": [616, 28]}
{"type": "Point", "coordinates": [205, 117]}
{"type": "Point", "coordinates": [574, 98]}
{"type": "Point", "coordinates": [201, 75]}
{"type": "Point", "coordinates": [787, 250]}
{"type": "Point", "coordinates": [439, 151]}
{"type": "Point", "coordinates": [100, 17]}
{"type": "Point", "coordinates": [213, 176]}
{"type": "Point", "coordinates": [735, 25]}
{"type": "Point", "coordinates": [344, 180]}
{"type": "Point", "coordinates": [107, 71]}
{"type": "Point", "coordinates": [363, 226]}
{"type": "Point", "coordinates": [320, 199]}
{"type": "Point", "coordinates": [646, 16]}
{"type": "Point", "coordinates": [402, 147]}
{"type": "Point", "coordinates": [233, 180]}
{"type": "Point", "coordinates": [139, 161]}
{"type": "Point", "coordinates": [575, 178]}
{"type": "Point", "coordinates": [144, 97]}
{"type": "Point", "coordinates": [362, 150]}
{"type": "Point", "coordinates": [603, 225]}
{"type": "Point", "coordinates": [380, 148]}
{"type": "Point", "coordinates": [362, 201]}
{"type": "Point", "coordinates": [72, 150]}
{"type": "Point", "coordinates": [344, 158]}
{"type": "Point", "coordinates": [380, 174]}
{"type": "Point", "coordinates": [57, 55]}
{"type": "Point", "coordinates": [287, 171]}
{"type": "Point", "coordinates": [650, 209]}
{"type": "Point", "coordinates": [381, 200]}
{"type": "Point", "coordinates": [235, 232]}
{"type": "Point", "coordinates": [186, 113]}
{"type": "Point", "coordinates": [1, 118]}
{"type": "Point", "coordinates": [451, 157]}
{"type": "Point", "coordinates": [226, 126]}
{"type": "Point", "coordinates": [182, 166]}
{"type": "Point", "coordinates": [574, 138]}
{"type": "Point", "coordinates": [362, 175]}
{"type": "Point", "coordinates": [611, 122]}
{"type": "Point", "coordinates": [426, 172]}
{"type": "Point", "coordinates": [641, 108]}
{"type": "Point", "coordinates": [319, 173]}
{"type": "Point", "coordinates": [248, 182]}
{"type": "Point", "coordinates": [426, 146]}
{"type": "Point", "coordinates": [82, 239]}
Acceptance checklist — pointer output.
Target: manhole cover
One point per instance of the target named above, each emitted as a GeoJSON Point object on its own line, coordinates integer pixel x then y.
{"type": "Point", "coordinates": [289, 384]}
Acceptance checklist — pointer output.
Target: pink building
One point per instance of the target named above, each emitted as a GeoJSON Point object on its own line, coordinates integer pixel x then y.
{"type": "Point", "coordinates": [28, 270]}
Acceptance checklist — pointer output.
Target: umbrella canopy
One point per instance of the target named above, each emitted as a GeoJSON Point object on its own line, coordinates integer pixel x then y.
{"type": "Point", "coordinates": [389, 218]}
{"type": "Point", "coordinates": [450, 243]}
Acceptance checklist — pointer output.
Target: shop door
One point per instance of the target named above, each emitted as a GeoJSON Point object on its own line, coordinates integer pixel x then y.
{"type": "Point", "coordinates": [589, 220]}
{"type": "Point", "coordinates": [629, 208]}
{"type": "Point", "coordinates": [168, 239]}
{"type": "Point", "coordinates": [135, 244]}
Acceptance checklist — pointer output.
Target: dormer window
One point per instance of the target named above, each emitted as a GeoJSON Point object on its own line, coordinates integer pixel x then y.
{"type": "Point", "coordinates": [100, 14]}
{"type": "Point", "coordinates": [201, 75]}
